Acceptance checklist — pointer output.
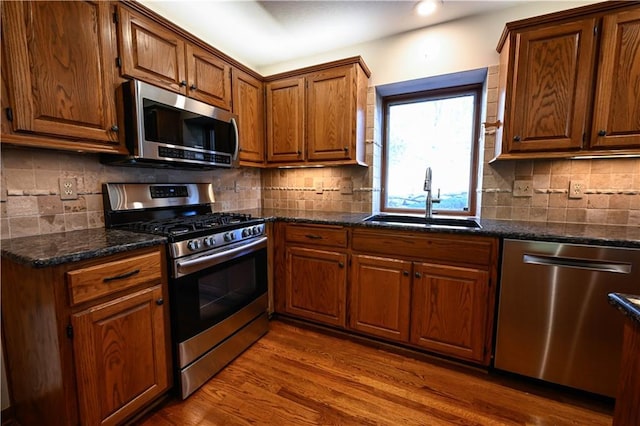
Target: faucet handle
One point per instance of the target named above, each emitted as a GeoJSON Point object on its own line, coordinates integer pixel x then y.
{"type": "Point", "coordinates": [437, 199]}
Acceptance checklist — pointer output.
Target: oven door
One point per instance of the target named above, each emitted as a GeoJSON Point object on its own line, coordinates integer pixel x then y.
{"type": "Point", "coordinates": [215, 286]}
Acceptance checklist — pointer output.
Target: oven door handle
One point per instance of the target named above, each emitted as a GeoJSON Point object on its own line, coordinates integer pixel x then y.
{"type": "Point", "coordinates": [194, 265]}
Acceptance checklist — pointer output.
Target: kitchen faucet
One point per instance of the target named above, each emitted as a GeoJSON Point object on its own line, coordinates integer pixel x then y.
{"type": "Point", "coordinates": [428, 211]}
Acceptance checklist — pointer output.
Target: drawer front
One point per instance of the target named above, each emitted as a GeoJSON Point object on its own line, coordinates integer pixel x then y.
{"type": "Point", "coordinates": [447, 248]}
{"type": "Point", "coordinates": [101, 280]}
{"type": "Point", "coordinates": [317, 235]}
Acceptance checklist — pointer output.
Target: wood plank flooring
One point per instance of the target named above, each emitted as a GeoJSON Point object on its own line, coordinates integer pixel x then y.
{"type": "Point", "coordinates": [297, 376]}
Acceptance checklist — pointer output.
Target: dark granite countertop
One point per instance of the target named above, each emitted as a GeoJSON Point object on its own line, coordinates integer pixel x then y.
{"type": "Point", "coordinates": [606, 235]}
{"type": "Point", "coordinates": [627, 304]}
{"type": "Point", "coordinates": [53, 249]}
{"type": "Point", "coordinates": [45, 250]}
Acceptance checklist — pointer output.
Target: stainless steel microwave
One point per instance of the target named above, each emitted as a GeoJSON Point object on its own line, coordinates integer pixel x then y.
{"type": "Point", "coordinates": [166, 129]}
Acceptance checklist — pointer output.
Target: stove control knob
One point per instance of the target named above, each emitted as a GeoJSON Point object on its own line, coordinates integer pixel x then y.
{"type": "Point", "coordinates": [246, 232]}
{"type": "Point", "coordinates": [228, 236]}
{"type": "Point", "coordinates": [256, 230]}
{"type": "Point", "coordinates": [209, 242]}
{"type": "Point", "coordinates": [193, 245]}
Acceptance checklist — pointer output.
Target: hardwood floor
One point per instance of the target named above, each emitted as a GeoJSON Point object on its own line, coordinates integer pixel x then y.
{"type": "Point", "coordinates": [297, 376]}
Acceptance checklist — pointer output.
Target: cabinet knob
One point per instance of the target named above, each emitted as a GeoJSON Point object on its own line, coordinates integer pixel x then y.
{"type": "Point", "coordinates": [160, 302]}
{"type": "Point", "coordinates": [602, 133]}
{"type": "Point", "coordinates": [418, 275]}
{"type": "Point", "coordinates": [115, 128]}
{"type": "Point", "coordinates": [405, 273]}
{"type": "Point", "coordinates": [299, 152]}
{"type": "Point", "coordinates": [516, 138]}
{"type": "Point", "coordinates": [183, 83]}
{"type": "Point", "coordinates": [193, 87]}
{"type": "Point", "coordinates": [346, 149]}
{"type": "Point", "coordinates": [341, 264]}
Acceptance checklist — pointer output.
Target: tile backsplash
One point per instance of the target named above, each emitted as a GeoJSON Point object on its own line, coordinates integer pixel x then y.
{"type": "Point", "coordinates": [30, 202]}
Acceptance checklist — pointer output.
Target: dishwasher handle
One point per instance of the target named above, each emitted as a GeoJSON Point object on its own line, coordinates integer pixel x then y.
{"type": "Point", "coordinates": [569, 262]}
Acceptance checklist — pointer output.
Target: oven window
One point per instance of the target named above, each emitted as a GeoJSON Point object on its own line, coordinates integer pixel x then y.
{"type": "Point", "coordinates": [226, 290]}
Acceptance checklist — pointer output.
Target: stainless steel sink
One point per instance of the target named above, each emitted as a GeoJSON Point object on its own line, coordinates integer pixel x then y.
{"type": "Point", "coordinates": [445, 222]}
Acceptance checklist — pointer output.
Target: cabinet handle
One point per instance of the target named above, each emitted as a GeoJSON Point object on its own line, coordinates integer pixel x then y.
{"type": "Point", "coordinates": [193, 87]}
{"type": "Point", "coordinates": [516, 138]}
{"type": "Point", "coordinates": [602, 133]}
{"type": "Point", "coordinates": [160, 301]}
{"type": "Point", "coordinates": [121, 276]}
{"type": "Point", "coordinates": [341, 264]}
{"type": "Point", "coordinates": [418, 275]}
{"type": "Point", "coordinates": [314, 237]}
{"type": "Point", "coordinates": [115, 128]}
{"type": "Point", "coordinates": [183, 83]}
{"type": "Point", "coordinates": [405, 273]}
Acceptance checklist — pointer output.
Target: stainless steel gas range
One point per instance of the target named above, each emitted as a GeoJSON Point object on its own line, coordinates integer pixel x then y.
{"type": "Point", "coordinates": [217, 269]}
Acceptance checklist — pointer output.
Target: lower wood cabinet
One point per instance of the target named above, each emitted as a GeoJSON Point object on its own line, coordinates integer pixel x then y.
{"type": "Point", "coordinates": [86, 342]}
{"type": "Point", "coordinates": [430, 291]}
{"type": "Point", "coordinates": [316, 284]}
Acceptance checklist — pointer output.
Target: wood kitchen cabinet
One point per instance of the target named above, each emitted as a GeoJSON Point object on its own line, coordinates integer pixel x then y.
{"type": "Point", "coordinates": [248, 104]}
{"type": "Point", "coordinates": [311, 279]}
{"type": "Point", "coordinates": [59, 76]}
{"type": "Point", "coordinates": [564, 83]}
{"type": "Point", "coordinates": [316, 115]}
{"type": "Point", "coordinates": [380, 296]}
{"type": "Point", "coordinates": [154, 53]}
{"type": "Point", "coordinates": [87, 342]}
{"type": "Point", "coordinates": [432, 291]}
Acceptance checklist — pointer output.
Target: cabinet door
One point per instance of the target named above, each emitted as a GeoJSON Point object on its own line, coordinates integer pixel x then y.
{"type": "Point", "coordinates": [285, 120]}
{"type": "Point", "coordinates": [121, 356]}
{"type": "Point", "coordinates": [61, 77]}
{"type": "Point", "coordinates": [151, 52]}
{"type": "Point", "coordinates": [616, 120]}
{"type": "Point", "coordinates": [316, 283]}
{"type": "Point", "coordinates": [551, 82]}
{"type": "Point", "coordinates": [379, 296]}
{"type": "Point", "coordinates": [449, 310]}
{"type": "Point", "coordinates": [208, 78]}
{"type": "Point", "coordinates": [248, 104]}
{"type": "Point", "coordinates": [331, 114]}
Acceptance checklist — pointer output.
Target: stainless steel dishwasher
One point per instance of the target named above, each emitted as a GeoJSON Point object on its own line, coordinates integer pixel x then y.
{"type": "Point", "coordinates": [554, 320]}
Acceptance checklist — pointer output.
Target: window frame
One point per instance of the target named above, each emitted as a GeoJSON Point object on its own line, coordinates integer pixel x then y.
{"type": "Point", "coordinates": [434, 94]}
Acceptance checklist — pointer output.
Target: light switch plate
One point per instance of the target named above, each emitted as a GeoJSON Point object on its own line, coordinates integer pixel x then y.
{"type": "Point", "coordinates": [346, 186]}
{"type": "Point", "coordinates": [522, 188]}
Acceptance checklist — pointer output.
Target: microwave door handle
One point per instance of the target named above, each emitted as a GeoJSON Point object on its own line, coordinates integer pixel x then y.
{"type": "Point", "coordinates": [235, 131]}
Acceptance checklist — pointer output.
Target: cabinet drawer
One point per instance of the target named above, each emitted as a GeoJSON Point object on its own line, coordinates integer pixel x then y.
{"type": "Point", "coordinates": [101, 280]}
{"type": "Point", "coordinates": [317, 235]}
{"type": "Point", "coordinates": [447, 248]}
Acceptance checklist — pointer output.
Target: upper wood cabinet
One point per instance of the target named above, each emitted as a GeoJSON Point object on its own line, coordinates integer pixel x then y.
{"type": "Point", "coordinates": [152, 52]}
{"type": "Point", "coordinates": [60, 76]}
{"type": "Point", "coordinates": [316, 115]}
{"type": "Point", "coordinates": [565, 82]}
{"type": "Point", "coordinates": [616, 118]}
{"type": "Point", "coordinates": [248, 103]}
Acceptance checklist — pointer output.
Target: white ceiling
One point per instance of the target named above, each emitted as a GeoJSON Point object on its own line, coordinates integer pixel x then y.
{"type": "Point", "coordinates": [263, 33]}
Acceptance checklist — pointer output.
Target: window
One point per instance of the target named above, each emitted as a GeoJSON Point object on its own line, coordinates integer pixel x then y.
{"type": "Point", "coordinates": [438, 128]}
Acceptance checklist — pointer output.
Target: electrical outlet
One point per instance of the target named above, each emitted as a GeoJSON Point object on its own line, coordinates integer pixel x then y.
{"type": "Point", "coordinates": [68, 189]}
{"type": "Point", "coordinates": [319, 189]}
{"type": "Point", "coordinates": [576, 189]}
{"type": "Point", "coordinates": [236, 186]}
{"type": "Point", "coordinates": [346, 186]}
{"type": "Point", "coordinates": [522, 188]}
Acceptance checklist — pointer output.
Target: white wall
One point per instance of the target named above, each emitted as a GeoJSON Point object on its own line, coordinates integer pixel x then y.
{"type": "Point", "coordinates": [460, 45]}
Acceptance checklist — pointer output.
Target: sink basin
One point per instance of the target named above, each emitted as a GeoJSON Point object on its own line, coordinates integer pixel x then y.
{"type": "Point", "coordinates": [445, 222]}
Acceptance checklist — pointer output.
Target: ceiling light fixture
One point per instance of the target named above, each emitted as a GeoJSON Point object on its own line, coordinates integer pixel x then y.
{"type": "Point", "coordinates": [426, 7]}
